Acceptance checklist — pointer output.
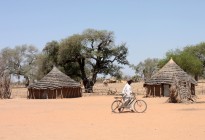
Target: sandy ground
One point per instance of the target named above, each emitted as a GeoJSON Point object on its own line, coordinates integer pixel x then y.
{"type": "Point", "coordinates": [90, 117]}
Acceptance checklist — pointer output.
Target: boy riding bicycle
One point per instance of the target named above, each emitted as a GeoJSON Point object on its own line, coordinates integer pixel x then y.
{"type": "Point", "coordinates": [127, 94]}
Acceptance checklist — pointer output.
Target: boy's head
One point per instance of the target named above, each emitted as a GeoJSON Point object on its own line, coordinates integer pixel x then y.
{"type": "Point", "coordinates": [130, 82]}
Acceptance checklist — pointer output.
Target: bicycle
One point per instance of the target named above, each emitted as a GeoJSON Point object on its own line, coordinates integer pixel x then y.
{"type": "Point", "coordinates": [134, 104]}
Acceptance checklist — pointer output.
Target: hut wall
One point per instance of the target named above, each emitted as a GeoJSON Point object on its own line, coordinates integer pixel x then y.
{"type": "Point", "coordinates": [162, 90]}
{"type": "Point", "coordinates": [157, 90]}
{"type": "Point", "coordinates": [51, 94]}
{"type": "Point", "coordinates": [192, 89]}
{"type": "Point", "coordinates": [58, 94]}
{"type": "Point", "coordinates": [154, 90]}
{"type": "Point", "coordinates": [39, 94]}
{"type": "Point", "coordinates": [55, 93]}
{"type": "Point", "coordinates": [36, 93]}
{"type": "Point", "coordinates": [64, 90]}
{"type": "Point", "coordinates": [166, 90]}
{"type": "Point", "coordinates": [29, 94]}
{"type": "Point", "coordinates": [148, 90]}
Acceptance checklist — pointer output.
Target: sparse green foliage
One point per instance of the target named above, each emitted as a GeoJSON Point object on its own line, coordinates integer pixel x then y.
{"type": "Point", "coordinates": [48, 58]}
{"type": "Point", "coordinates": [72, 56]}
{"type": "Point", "coordinates": [147, 68]}
{"type": "Point", "coordinates": [51, 51]}
{"type": "Point", "coordinates": [20, 61]}
{"type": "Point", "coordinates": [92, 52]}
{"type": "Point", "coordinates": [198, 51]}
{"type": "Point", "coordinates": [190, 59]}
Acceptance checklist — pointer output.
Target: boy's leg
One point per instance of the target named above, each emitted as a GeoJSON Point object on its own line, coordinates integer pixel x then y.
{"type": "Point", "coordinates": [127, 100]}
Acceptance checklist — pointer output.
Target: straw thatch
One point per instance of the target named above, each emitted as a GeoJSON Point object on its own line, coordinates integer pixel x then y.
{"type": "Point", "coordinates": [55, 85]}
{"type": "Point", "coordinates": [170, 74]}
{"type": "Point", "coordinates": [166, 74]}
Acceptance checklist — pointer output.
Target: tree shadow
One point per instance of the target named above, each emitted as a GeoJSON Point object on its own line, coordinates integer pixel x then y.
{"type": "Point", "coordinates": [200, 102]}
{"type": "Point", "coordinates": [191, 109]}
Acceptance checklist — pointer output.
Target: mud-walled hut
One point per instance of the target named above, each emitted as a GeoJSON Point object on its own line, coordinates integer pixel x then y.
{"type": "Point", "coordinates": [54, 85]}
{"type": "Point", "coordinates": [170, 74]}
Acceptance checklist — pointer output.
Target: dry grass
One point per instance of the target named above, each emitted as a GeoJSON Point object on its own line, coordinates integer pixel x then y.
{"type": "Point", "coordinates": [200, 88]}
{"type": "Point", "coordinates": [19, 92]}
{"type": "Point", "coordinates": [100, 89]}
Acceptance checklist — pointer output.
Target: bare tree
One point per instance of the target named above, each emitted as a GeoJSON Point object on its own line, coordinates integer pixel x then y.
{"type": "Point", "coordinates": [5, 78]}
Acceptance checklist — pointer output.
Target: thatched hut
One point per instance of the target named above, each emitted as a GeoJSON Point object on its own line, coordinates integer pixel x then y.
{"type": "Point", "coordinates": [54, 85]}
{"type": "Point", "coordinates": [170, 74]}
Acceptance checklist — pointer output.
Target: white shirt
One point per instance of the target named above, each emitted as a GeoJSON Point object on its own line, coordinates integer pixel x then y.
{"type": "Point", "coordinates": [127, 90]}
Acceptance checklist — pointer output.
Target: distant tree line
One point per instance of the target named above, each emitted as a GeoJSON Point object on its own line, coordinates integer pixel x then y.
{"type": "Point", "coordinates": [191, 59]}
{"type": "Point", "coordinates": [90, 53]}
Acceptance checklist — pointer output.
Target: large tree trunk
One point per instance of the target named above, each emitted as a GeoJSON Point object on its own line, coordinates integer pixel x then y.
{"type": "Point", "coordinates": [27, 81]}
{"type": "Point", "coordinates": [94, 77]}
{"type": "Point", "coordinates": [196, 77]}
{"type": "Point", "coordinates": [81, 62]}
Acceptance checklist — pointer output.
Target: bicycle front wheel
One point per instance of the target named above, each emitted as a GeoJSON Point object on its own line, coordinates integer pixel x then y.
{"type": "Point", "coordinates": [140, 106]}
{"type": "Point", "coordinates": [116, 105]}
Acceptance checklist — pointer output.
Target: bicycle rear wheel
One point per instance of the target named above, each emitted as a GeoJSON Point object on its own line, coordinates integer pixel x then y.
{"type": "Point", "coordinates": [115, 105]}
{"type": "Point", "coordinates": [140, 106]}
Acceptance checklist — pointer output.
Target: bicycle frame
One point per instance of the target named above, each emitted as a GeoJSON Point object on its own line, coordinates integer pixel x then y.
{"type": "Point", "coordinates": [129, 104]}
{"type": "Point", "coordinates": [133, 105]}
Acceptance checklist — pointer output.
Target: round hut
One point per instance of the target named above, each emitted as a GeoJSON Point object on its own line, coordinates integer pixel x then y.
{"type": "Point", "coordinates": [54, 85]}
{"type": "Point", "coordinates": [169, 76]}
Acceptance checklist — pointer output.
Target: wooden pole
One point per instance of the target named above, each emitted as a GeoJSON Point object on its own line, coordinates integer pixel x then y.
{"type": "Point", "coordinates": [33, 93]}
{"type": "Point", "coordinates": [67, 92]}
{"type": "Point", "coordinates": [71, 92]}
{"type": "Point", "coordinates": [61, 93]}
{"type": "Point", "coordinates": [28, 94]}
{"type": "Point", "coordinates": [160, 90]}
{"type": "Point", "coordinates": [56, 93]}
{"type": "Point", "coordinates": [39, 93]}
{"type": "Point", "coordinates": [52, 94]}
{"type": "Point", "coordinates": [150, 91]}
{"type": "Point", "coordinates": [47, 93]}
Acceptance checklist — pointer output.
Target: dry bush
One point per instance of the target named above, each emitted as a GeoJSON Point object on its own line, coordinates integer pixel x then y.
{"type": "Point", "coordinates": [200, 88]}
{"type": "Point", "coordinates": [19, 92]}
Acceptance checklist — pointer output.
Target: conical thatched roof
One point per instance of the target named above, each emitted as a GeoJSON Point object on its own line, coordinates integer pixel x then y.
{"type": "Point", "coordinates": [55, 79]}
{"type": "Point", "coordinates": [168, 73]}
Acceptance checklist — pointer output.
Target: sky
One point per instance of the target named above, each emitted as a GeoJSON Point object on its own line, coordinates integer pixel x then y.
{"type": "Point", "coordinates": [149, 28]}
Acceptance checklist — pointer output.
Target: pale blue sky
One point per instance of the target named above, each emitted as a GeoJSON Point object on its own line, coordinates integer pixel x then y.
{"type": "Point", "coordinates": [149, 27]}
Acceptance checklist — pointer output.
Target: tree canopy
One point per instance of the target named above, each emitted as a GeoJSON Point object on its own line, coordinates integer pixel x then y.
{"type": "Point", "coordinates": [190, 59]}
{"type": "Point", "coordinates": [146, 68]}
{"type": "Point", "coordinates": [88, 54]}
{"type": "Point", "coordinates": [21, 61]}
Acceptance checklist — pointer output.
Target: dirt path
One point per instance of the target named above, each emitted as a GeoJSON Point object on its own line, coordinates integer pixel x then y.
{"type": "Point", "coordinates": [91, 118]}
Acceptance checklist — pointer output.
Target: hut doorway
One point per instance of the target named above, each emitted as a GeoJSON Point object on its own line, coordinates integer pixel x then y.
{"type": "Point", "coordinates": [166, 90]}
